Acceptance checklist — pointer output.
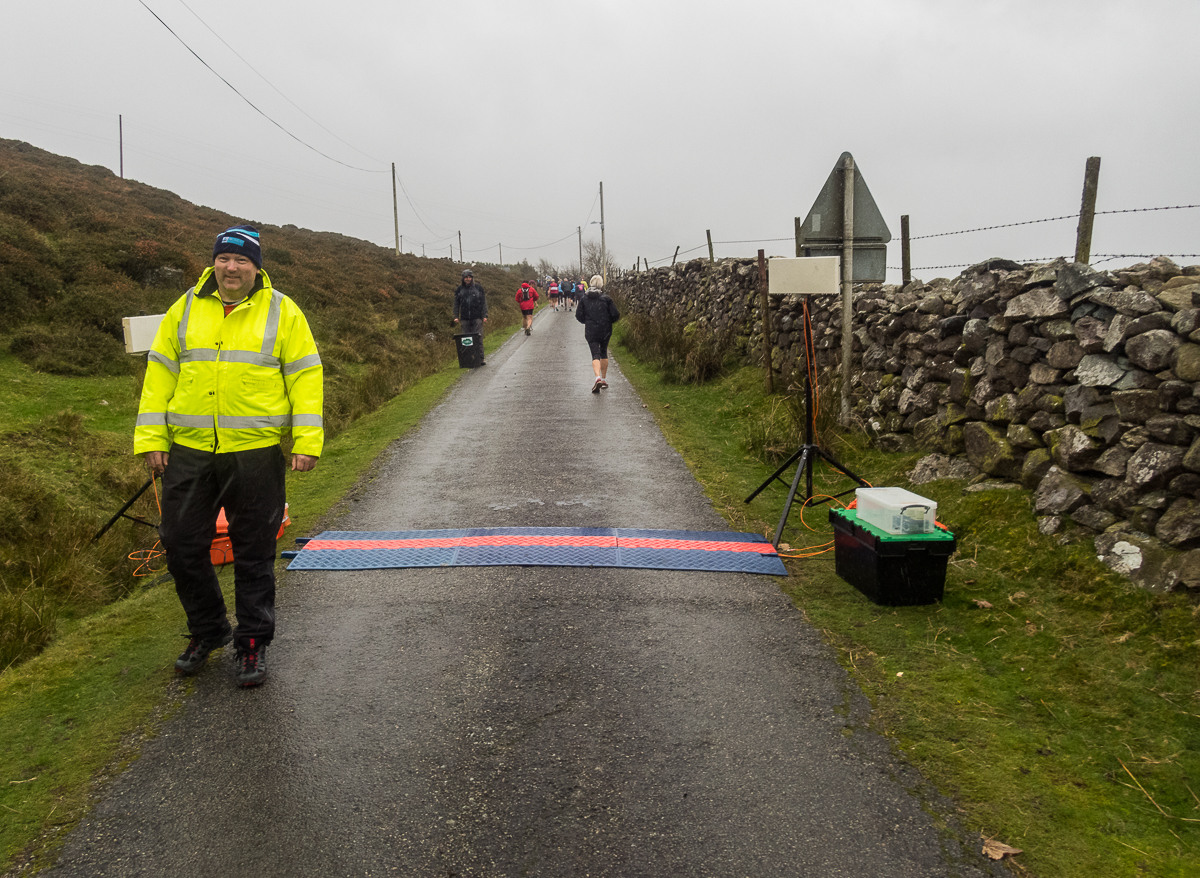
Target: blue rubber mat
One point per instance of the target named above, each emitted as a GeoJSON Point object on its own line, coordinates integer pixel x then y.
{"type": "Point", "coordinates": [718, 551]}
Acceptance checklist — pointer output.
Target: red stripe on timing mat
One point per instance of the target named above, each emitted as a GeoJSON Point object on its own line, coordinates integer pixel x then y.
{"type": "Point", "coordinates": [442, 543]}
{"type": "Point", "coordinates": [696, 545]}
{"type": "Point", "coordinates": [463, 542]}
{"type": "Point", "coordinates": [540, 540]}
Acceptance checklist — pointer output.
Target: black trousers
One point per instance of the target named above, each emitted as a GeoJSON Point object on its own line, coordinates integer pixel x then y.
{"type": "Point", "coordinates": [250, 485]}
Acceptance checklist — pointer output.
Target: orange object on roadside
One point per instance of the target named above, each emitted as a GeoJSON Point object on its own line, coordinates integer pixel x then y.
{"type": "Point", "coordinates": [222, 551]}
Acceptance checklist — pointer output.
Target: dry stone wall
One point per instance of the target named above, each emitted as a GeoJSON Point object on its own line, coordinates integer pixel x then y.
{"type": "Point", "coordinates": [1081, 385]}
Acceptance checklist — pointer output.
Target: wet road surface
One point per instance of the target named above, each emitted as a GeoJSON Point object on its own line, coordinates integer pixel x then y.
{"type": "Point", "coordinates": [524, 721]}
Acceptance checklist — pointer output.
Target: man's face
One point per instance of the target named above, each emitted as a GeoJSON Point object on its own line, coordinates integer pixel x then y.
{"type": "Point", "coordinates": [468, 280]}
{"type": "Point", "coordinates": [235, 275]}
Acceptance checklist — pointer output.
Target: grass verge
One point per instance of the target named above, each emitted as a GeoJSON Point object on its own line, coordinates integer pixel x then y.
{"type": "Point", "coordinates": [83, 704]}
{"type": "Point", "coordinates": [1054, 702]}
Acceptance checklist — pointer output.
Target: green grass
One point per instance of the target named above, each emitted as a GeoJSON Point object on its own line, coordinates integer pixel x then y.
{"type": "Point", "coordinates": [82, 705]}
{"type": "Point", "coordinates": [1061, 719]}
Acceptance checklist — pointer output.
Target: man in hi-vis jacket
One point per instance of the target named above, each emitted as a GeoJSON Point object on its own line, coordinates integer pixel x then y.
{"type": "Point", "coordinates": [234, 366]}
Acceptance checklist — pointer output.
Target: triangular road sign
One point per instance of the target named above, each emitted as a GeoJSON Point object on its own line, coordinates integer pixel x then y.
{"type": "Point", "coordinates": [824, 221]}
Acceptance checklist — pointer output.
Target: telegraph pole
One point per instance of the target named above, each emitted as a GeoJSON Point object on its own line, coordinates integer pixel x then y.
{"type": "Point", "coordinates": [460, 259]}
{"type": "Point", "coordinates": [603, 252]}
{"type": "Point", "coordinates": [579, 231]}
{"type": "Point", "coordinates": [395, 209]}
{"type": "Point", "coordinates": [121, 138]}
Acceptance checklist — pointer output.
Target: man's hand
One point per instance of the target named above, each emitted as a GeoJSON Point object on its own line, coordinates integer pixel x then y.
{"type": "Point", "coordinates": [157, 461]}
{"type": "Point", "coordinates": [455, 320]}
{"type": "Point", "coordinates": [302, 463]}
{"type": "Point", "coordinates": [485, 320]}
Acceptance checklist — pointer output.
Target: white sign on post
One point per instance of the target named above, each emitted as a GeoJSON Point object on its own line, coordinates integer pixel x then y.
{"type": "Point", "coordinates": [804, 276]}
{"type": "Point", "coordinates": [140, 332]}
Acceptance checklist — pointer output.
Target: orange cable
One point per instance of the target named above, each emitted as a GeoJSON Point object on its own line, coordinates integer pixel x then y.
{"type": "Point", "coordinates": [823, 548]}
{"type": "Point", "coordinates": [145, 557]}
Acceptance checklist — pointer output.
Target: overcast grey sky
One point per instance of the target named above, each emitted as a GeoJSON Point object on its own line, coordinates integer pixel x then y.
{"type": "Point", "coordinates": [503, 117]}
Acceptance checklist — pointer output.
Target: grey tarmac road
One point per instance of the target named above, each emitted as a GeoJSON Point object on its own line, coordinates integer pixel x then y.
{"type": "Point", "coordinates": [526, 721]}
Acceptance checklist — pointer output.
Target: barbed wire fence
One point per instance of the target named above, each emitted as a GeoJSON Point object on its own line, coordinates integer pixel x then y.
{"type": "Point", "coordinates": [1097, 259]}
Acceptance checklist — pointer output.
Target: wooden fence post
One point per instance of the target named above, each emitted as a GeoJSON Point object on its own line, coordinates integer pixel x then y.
{"type": "Point", "coordinates": [1087, 211]}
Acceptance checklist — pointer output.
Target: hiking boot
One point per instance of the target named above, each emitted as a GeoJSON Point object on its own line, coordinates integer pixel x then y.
{"type": "Point", "coordinates": [251, 663]}
{"type": "Point", "coordinates": [197, 652]}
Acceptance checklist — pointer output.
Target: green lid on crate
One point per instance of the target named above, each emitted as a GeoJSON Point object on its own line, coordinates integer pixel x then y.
{"type": "Point", "coordinates": [851, 515]}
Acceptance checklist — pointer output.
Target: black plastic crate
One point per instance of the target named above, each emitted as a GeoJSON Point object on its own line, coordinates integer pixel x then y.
{"type": "Point", "coordinates": [892, 570]}
{"type": "Point", "coordinates": [470, 350]}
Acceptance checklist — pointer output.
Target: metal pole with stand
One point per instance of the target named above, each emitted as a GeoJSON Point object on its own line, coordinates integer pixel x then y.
{"type": "Point", "coordinates": [808, 453]}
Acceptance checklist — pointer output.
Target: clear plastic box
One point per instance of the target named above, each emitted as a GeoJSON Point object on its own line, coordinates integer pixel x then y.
{"type": "Point", "coordinates": [896, 511]}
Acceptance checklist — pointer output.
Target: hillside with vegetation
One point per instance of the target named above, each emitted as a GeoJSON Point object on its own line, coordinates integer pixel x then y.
{"type": "Point", "coordinates": [80, 249]}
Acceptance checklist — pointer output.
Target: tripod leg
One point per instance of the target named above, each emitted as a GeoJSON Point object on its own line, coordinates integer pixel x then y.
{"type": "Point", "coordinates": [832, 461]}
{"type": "Point", "coordinates": [121, 511]}
{"type": "Point", "coordinates": [775, 475]}
{"type": "Point", "coordinates": [787, 507]}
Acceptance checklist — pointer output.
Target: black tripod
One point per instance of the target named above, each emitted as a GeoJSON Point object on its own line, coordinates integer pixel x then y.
{"type": "Point", "coordinates": [808, 453]}
{"type": "Point", "coordinates": [121, 513]}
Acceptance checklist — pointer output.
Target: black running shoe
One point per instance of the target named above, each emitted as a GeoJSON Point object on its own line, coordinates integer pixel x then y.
{"type": "Point", "coordinates": [596, 387]}
{"type": "Point", "coordinates": [197, 652]}
{"type": "Point", "coordinates": [251, 663]}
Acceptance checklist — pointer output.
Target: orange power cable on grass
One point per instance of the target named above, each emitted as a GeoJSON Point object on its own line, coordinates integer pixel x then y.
{"type": "Point", "coordinates": [821, 549]}
{"type": "Point", "coordinates": [145, 557]}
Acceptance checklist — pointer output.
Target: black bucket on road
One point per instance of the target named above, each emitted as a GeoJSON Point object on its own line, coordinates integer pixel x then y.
{"type": "Point", "coordinates": [470, 351]}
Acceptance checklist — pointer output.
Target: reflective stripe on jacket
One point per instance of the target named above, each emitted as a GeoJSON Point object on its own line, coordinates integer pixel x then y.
{"type": "Point", "coordinates": [231, 383]}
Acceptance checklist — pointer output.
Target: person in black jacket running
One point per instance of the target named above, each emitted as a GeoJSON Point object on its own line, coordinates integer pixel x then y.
{"type": "Point", "coordinates": [597, 313]}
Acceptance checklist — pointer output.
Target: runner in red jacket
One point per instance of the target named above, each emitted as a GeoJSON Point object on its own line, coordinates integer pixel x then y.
{"type": "Point", "coordinates": [527, 299]}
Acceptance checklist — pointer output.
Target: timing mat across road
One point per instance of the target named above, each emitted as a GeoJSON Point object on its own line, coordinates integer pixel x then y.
{"type": "Point", "coordinates": [719, 551]}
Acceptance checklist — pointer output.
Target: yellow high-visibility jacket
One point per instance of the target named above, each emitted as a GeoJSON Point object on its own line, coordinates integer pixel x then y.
{"type": "Point", "coordinates": [233, 383]}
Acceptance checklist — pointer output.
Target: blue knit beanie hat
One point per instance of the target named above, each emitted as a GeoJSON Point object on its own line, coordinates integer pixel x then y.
{"type": "Point", "coordinates": [240, 239]}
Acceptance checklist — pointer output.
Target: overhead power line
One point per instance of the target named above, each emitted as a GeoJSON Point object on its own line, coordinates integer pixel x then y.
{"type": "Point", "coordinates": [250, 103]}
{"type": "Point", "coordinates": [551, 244]}
{"type": "Point", "coordinates": [273, 86]}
